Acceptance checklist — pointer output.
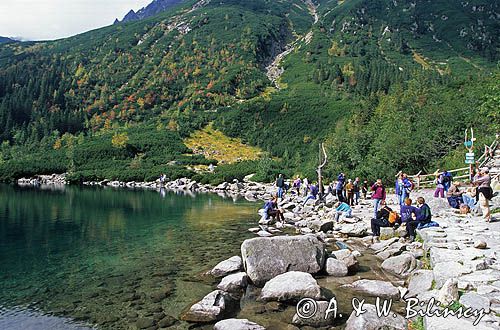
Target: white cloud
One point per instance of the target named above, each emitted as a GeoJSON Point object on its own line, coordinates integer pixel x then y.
{"type": "Point", "coordinates": [54, 19]}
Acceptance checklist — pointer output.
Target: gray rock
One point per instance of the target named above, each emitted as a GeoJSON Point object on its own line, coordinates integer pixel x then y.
{"type": "Point", "coordinates": [347, 258]}
{"type": "Point", "coordinates": [383, 244]}
{"type": "Point", "coordinates": [475, 301]}
{"type": "Point", "coordinates": [375, 288]}
{"type": "Point", "coordinates": [451, 323]}
{"type": "Point", "coordinates": [321, 226]}
{"type": "Point", "coordinates": [335, 267]}
{"type": "Point", "coordinates": [358, 229]}
{"type": "Point", "coordinates": [234, 282]}
{"type": "Point", "coordinates": [480, 244]}
{"type": "Point", "coordinates": [291, 286]}
{"type": "Point", "coordinates": [420, 282]}
{"type": "Point", "coordinates": [211, 308]}
{"type": "Point", "coordinates": [319, 319]}
{"type": "Point", "coordinates": [237, 324]}
{"type": "Point", "coordinates": [446, 270]}
{"type": "Point", "coordinates": [370, 320]}
{"type": "Point", "coordinates": [231, 265]}
{"type": "Point", "coordinates": [449, 292]}
{"type": "Point", "coordinates": [401, 265]}
{"type": "Point", "coordinates": [265, 258]}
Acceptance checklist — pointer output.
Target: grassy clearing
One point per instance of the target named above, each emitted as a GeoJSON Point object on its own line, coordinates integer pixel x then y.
{"type": "Point", "coordinates": [214, 144]}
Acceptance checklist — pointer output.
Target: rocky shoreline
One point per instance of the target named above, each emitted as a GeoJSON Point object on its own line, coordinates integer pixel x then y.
{"type": "Point", "coordinates": [456, 263]}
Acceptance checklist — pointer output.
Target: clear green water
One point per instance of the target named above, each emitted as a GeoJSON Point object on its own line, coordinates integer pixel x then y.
{"type": "Point", "coordinates": [108, 257]}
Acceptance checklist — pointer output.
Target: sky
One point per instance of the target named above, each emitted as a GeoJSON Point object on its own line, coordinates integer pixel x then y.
{"type": "Point", "coordinates": [54, 19]}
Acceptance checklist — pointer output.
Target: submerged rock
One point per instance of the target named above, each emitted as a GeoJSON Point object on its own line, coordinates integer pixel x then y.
{"type": "Point", "coordinates": [237, 324]}
{"type": "Point", "coordinates": [265, 258]}
{"type": "Point", "coordinates": [291, 286]}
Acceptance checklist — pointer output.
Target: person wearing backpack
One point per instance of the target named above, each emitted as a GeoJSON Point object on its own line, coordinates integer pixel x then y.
{"type": "Point", "coordinates": [447, 180]}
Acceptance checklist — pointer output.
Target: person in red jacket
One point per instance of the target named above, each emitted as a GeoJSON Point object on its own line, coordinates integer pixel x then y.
{"type": "Point", "coordinates": [378, 195]}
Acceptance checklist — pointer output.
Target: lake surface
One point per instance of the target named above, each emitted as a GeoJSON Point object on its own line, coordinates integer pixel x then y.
{"type": "Point", "coordinates": [71, 256]}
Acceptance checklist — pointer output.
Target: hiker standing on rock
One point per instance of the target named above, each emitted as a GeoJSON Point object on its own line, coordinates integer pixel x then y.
{"type": "Point", "coordinates": [403, 188]}
{"type": "Point", "coordinates": [356, 188]}
{"type": "Point", "coordinates": [296, 185]}
{"type": "Point", "coordinates": [340, 187]}
{"type": "Point", "coordinates": [305, 183]}
{"type": "Point", "coordinates": [280, 183]}
{"type": "Point", "coordinates": [378, 195]}
{"type": "Point", "coordinates": [364, 189]}
{"type": "Point", "coordinates": [439, 192]}
{"type": "Point", "coordinates": [349, 189]}
{"type": "Point", "coordinates": [484, 192]}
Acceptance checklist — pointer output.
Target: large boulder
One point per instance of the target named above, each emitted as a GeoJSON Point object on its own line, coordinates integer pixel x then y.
{"type": "Point", "coordinates": [335, 267]}
{"type": "Point", "coordinates": [375, 288]}
{"type": "Point", "coordinates": [318, 319]}
{"type": "Point", "coordinates": [265, 258]}
{"type": "Point", "coordinates": [369, 320]}
{"type": "Point", "coordinates": [401, 265]}
{"type": "Point", "coordinates": [211, 308]}
{"type": "Point", "coordinates": [223, 268]}
{"type": "Point", "coordinates": [475, 301]}
{"type": "Point", "coordinates": [291, 286]}
{"type": "Point", "coordinates": [239, 324]}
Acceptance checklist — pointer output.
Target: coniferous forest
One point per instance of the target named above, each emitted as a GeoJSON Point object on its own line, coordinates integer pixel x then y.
{"type": "Point", "coordinates": [387, 85]}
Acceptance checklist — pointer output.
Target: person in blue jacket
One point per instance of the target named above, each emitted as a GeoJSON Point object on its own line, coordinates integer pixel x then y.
{"type": "Point", "coordinates": [339, 189]}
{"type": "Point", "coordinates": [342, 208]}
{"type": "Point", "coordinates": [424, 216]}
{"type": "Point", "coordinates": [403, 188]}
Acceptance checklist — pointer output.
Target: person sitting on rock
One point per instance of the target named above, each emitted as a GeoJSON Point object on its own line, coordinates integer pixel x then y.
{"type": "Point", "coordinates": [469, 198]}
{"type": "Point", "coordinates": [408, 211]}
{"type": "Point", "coordinates": [271, 210]}
{"type": "Point", "coordinates": [382, 220]}
{"type": "Point", "coordinates": [454, 195]}
{"type": "Point", "coordinates": [342, 208]}
{"type": "Point", "coordinates": [423, 217]}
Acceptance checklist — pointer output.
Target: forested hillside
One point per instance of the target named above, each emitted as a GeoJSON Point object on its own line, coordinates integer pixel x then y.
{"type": "Point", "coordinates": [388, 85]}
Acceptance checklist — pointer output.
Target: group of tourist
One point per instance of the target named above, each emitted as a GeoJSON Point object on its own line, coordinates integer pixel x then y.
{"type": "Point", "coordinates": [348, 193]}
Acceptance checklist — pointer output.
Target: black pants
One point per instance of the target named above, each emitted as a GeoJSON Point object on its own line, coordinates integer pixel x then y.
{"type": "Point", "coordinates": [411, 227]}
{"type": "Point", "coordinates": [340, 195]}
{"type": "Point", "coordinates": [377, 224]}
{"type": "Point", "coordinates": [277, 215]}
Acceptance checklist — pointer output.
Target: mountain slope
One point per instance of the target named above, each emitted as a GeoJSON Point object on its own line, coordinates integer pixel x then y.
{"type": "Point", "coordinates": [204, 62]}
{"type": "Point", "coordinates": [5, 40]}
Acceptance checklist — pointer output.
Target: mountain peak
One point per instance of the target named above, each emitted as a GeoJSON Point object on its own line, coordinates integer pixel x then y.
{"type": "Point", "coordinates": [155, 7]}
